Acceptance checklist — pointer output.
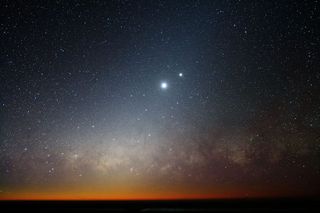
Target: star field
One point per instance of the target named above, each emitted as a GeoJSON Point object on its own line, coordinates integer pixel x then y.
{"type": "Point", "coordinates": [159, 99]}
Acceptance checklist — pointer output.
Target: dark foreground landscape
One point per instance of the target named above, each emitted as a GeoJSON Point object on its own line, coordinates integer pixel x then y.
{"type": "Point", "coordinates": [232, 205]}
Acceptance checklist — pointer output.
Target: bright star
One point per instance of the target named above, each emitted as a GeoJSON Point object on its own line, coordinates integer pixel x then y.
{"type": "Point", "coordinates": [180, 74]}
{"type": "Point", "coordinates": [164, 85]}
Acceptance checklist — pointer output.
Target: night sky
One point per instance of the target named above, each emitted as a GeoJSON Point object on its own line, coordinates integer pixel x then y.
{"type": "Point", "coordinates": [159, 99]}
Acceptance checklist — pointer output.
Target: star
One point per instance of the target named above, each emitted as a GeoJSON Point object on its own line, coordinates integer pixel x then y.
{"type": "Point", "coordinates": [180, 74]}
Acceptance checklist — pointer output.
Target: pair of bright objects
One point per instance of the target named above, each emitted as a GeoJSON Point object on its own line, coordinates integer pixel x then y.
{"type": "Point", "coordinates": [164, 84]}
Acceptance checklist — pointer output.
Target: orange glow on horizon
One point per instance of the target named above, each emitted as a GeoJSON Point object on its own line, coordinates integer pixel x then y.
{"type": "Point", "coordinates": [131, 196]}
{"type": "Point", "coordinates": [126, 191]}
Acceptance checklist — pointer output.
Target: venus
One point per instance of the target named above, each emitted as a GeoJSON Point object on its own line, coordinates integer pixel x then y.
{"type": "Point", "coordinates": [164, 85]}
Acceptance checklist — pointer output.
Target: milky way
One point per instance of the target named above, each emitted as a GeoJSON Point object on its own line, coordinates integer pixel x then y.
{"type": "Point", "coordinates": [159, 99]}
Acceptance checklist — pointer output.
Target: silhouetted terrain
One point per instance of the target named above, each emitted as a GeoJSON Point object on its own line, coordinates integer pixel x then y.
{"type": "Point", "coordinates": [232, 205]}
